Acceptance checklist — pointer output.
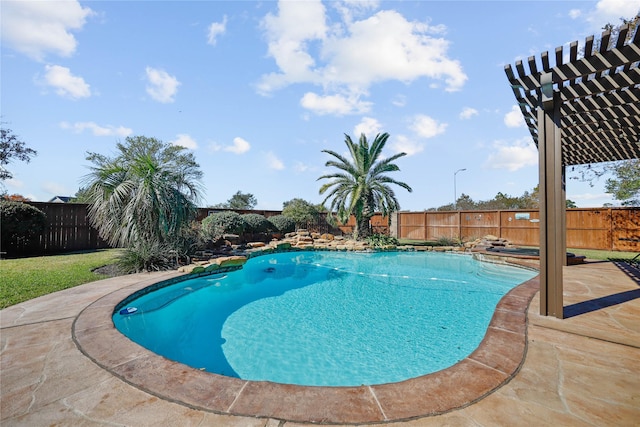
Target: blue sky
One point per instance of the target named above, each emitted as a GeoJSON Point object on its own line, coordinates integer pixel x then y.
{"type": "Point", "coordinates": [257, 89]}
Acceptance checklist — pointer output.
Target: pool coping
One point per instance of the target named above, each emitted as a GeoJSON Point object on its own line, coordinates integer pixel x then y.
{"type": "Point", "coordinates": [494, 363]}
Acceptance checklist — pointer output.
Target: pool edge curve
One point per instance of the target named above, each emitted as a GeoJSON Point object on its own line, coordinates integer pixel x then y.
{"type": "Point", "coordinates": [494, 363]}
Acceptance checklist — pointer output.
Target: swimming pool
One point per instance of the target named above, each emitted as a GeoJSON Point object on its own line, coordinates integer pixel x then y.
{"type": "Point", "coordinates": [325, 318]}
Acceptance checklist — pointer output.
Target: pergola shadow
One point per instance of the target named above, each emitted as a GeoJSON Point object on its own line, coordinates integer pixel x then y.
{"type": "Point", "coordinates": [595, 304]}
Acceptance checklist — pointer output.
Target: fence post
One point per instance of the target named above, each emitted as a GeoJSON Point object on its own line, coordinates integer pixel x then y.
{"type": "Point", "coordinates": [611, 244]}
{"type": "Point", "coordinates": [393, 224]}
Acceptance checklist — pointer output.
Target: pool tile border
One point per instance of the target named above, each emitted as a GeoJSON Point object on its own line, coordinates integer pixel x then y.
{"type": "Point", "coordinates": [496, 360]}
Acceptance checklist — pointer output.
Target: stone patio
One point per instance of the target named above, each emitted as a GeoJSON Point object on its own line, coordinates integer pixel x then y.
{"type": "Point", "coordinates": [582, 370]}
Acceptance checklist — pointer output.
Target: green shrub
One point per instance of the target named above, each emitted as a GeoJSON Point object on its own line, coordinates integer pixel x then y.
{"type": "Point", "coordinates": [301, 211]}
{"type": "Point", "coordinates": [256, 223]}
{"type": "Point", "coordinates": [282, 224]}
{"type": "Point", "coordinates": [226, 222]}
{"type": "Point", "coordinates": [20, 224]}
{"type": "Point", "coordinates": [188, 240]}
{"type": "Point", "coordinates": [380, 240]}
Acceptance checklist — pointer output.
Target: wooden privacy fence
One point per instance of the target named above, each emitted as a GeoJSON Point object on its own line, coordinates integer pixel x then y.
{"type": "Point", "coordinates": [587, 228]}
{"type": "Point", "coordinates": [67, 230]}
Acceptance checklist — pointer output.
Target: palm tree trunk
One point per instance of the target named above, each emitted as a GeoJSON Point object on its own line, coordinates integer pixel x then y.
{"type": "Point", "coordinates": [362, 228]}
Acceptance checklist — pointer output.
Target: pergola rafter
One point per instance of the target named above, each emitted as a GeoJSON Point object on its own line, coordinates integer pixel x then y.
{"type": "Point", "coordinates": [583, 111]}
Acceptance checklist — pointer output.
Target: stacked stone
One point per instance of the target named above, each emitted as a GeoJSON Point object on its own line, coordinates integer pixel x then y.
{"type": "Point", "coordinates": [303, 239]}
{"type": "Point", "coordinates": [487, 242]}
{"type": "Point", "coordinates": [214, 265]}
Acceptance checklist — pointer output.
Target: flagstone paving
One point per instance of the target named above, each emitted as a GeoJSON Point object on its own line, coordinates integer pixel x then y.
{"type": "Point", "coordinates": [579, 371]}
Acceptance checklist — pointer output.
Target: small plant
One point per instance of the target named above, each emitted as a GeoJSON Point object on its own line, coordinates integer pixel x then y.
{"type": "Point", "coordinates": [448, 241]}
{"type": "Point", "coordinates": [188, 240]}
{"type": "Point", "coordinates": [220, 223]}
{"type": "Point", "coordinates": [256, 223]}
{"type": "Point", "coordinates": [282, 224]}
{"type": "Point", "coordinates": [146, 256]}
{"type": "Point", "coordinates": [381, 240]}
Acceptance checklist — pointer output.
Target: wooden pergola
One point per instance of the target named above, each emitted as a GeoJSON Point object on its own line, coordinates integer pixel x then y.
{"type": "Point", "coordinates": [583, 110]}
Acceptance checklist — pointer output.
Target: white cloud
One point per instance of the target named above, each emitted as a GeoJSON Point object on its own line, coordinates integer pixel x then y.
{"type": "Point", "coordinates": [610, 12]}
{"type": "Point", "coordinates": [65, 83]}
{"type": "Point", "coordinates": [399, 101]}
{"type": "Point", "coordinates": [55, 189]}
{"type": "Point", "coordinates": [239, 146]}
{"type": "Point", "coordinates": [273, 161]}
{"type": "Point", "coordinates": [351, 54]}
{"type": "Point", "coordinates": [514, 118]}
{"type": "Point", "coordinates": [468, 112]}
{"type": "Point", "coordinates": [427, 127]}
{"type": "Point", "coordinates": [162, 87]}
{"type": "Point", "coordinates": [334, 104]}
{"type": "Point", "coordinates": [350, 8]}
{"type": "Point", "coordinates": [302, 167]}
{"type": "Point", "coordinates": [513, 156]}
{"type": "Point", "coordinates": [386, 46]}
{"type": "Point", "coordinates": [184, 140]}
{"type": "Point", "coordinates": [591, 196]}
{"type": "Point", "coordinates": [401, 144]}
{"type": "Point", "coordinates": [369, 126]}
{"type": "Point", "coordinates": [575, 13]}
{"type": "Point", "coordinates": [216, 29]}
{"type": "Point", "coordinates": [14, 183]}
{"type": "Point", "coordinates": [97, 130]}
{"type": "Point", "coordinates": [36, 28]}
{"type": "Point", "coordinates": [289, 34]}
{"type": "Point", "coordinates": [591, 199]}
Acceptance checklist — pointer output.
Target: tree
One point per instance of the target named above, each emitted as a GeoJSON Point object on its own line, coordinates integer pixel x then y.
{"type": "Point", "coordinates": [11, 147]}
{"type": "Point", "coordinates": [531, 200]}
{"type": "Point", "coordinates": [465, 203]}
{"type": "Point", "coordinates": [301, 211]}
{"type": "Point", "coordinates": [239, 201]}
{"type": "Point", "coordinates": [360, 187]}
{"type": "Point", "coordinates": [145, 194]}
{"type": "Point", "coordinates": [528, 200]}
{"type": "Point", "coordinates": [242, 201]}
{"type": "Point", "coordinates": [14, 198]}
{"type": "Point", "coordinates": [626, 185]}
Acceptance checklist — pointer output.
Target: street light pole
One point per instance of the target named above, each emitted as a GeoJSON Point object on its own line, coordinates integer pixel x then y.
{"type": "Point", "coordinates": [455, 194]}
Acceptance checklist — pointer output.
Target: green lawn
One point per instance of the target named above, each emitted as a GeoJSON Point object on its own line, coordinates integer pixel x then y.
{"type": "Point", "coordinates": [589, 253]}
{"type": "Point", "coordinates": [602, 254]}
{"type": "Point", "coordinates": [26, 278]}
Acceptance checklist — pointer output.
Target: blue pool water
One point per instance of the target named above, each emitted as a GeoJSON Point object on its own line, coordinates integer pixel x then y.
{"type": "Point", "coordinates": [325, 318]}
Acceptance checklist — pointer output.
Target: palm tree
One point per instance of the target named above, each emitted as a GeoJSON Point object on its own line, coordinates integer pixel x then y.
{"type": "Point", "coordinates": [146, 194]}
{"type": "Point", "coordinates": [360, 187]}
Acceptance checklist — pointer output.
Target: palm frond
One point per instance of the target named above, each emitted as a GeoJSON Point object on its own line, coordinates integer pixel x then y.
{"type": "Point", "coordinates": [361, 187]}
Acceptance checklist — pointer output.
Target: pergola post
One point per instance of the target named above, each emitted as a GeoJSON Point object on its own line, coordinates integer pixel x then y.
{"type": "Point", "coordinates": [552, 201]}
{"type": "Point", "coordinates": [581, 112]}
